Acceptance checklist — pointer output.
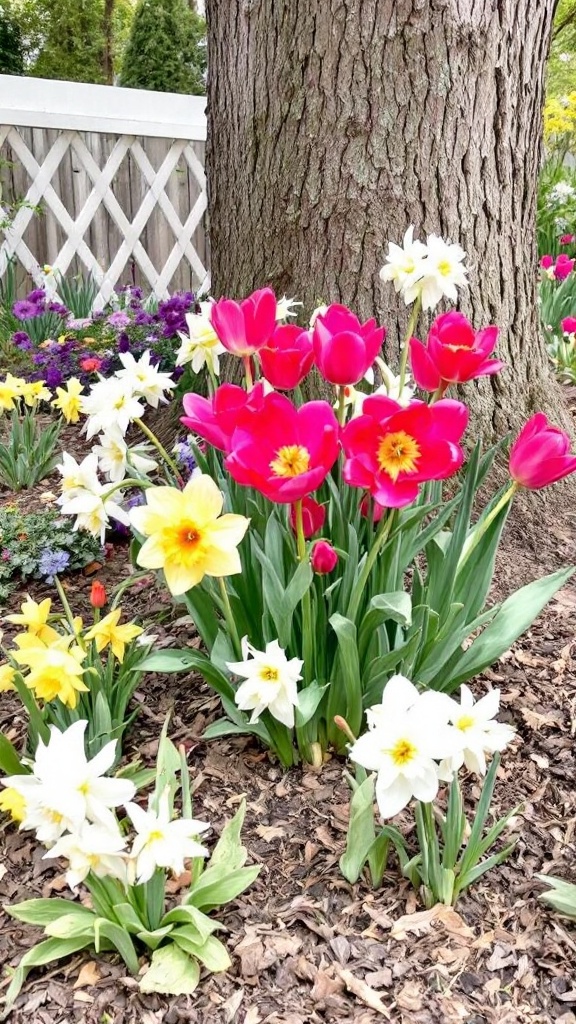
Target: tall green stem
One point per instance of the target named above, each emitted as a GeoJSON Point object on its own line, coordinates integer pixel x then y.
{"type": "Point", "coordinates": [476, 536]}
{"type": "Point", "coordinates": [379, 541]}
{"type": "Point", "coordinates": [228, 615]}
{"type": "Point", "coordinates": [161, 450]}
{"type": "Point", "coordinates": [68, 612]}
{"type": "Point", "coordinates": [341, 405]}
{"type": "Point", "coordinates": [409, 332]}
{"type": "Point", "coordinates": [248, 373]}
{"type": "Point", "coordinates": [307, 635]}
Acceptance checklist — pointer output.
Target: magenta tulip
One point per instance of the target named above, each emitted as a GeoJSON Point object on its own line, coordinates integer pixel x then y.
{"type": "Point", "coordinates": [215, 419]}
{"type": "Point", "coordinates": [569, 325]}
{"type": "Point", "coordinates": [454, 353]}
{"type": "Point", "coordinates": [344, 348]}
{"type": "Point", "coordinates": [323, 558]}
{"type": "Point", "coordinates": [540, 454]}
{"type": "Point", "coordinates": [313, 516]}
{"type": "Point", "coordinates": [245, 327]}
{"type": "Point", "coordinates": [287, 357]}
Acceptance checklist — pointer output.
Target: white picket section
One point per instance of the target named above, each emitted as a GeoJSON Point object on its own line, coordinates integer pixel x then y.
{"type": "Point", "coordinates": [75, 151]}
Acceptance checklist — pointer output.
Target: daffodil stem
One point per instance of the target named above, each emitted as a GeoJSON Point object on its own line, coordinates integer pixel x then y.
{"type": "Point", "coordinates": [379, 541]}
{"type": "Point", "coordinates": [228, 615]}
{"type": "Point", "coordinates": [341, 405]}
{"type": "Point", "coordinates": [125, 585]}
{"type": "Point", "coordinates": [123, 484]}
{"type": "Point", "coordinates": [480, 530]}
{"type": "Point", "coordinates": [38, 724]}
{"type": "Point", "coordinates": [307, 637]}
{"type": "Point", "coordinates": [409, 332]}
{"type": "Point", "coordinates": [161, 450]}
{"type": "Point", "coordinates": [67, 609]}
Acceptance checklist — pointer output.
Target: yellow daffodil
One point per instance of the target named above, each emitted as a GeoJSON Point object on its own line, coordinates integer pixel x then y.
{"type": "Point", "coordinates": [10, 390]}
{"type": "Point", "coordinates": [13, 803]}
{"type": "Point", "coordinates": [55, 671]}
{"type": "Point", "coordinates": [6, 678]}
{"type": "Point", "coordinates": [108, 632]}
{"type": "Point", "coordinates": [35, 391]}
{"type": "Point", "coordinates": [34, 618]}
{"type": "Point", "coordinates": [187, 535]}
{"type": "Point", "coordinates": [69, 400]}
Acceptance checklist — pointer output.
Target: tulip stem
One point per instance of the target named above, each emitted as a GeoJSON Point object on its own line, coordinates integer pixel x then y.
{"type": "Point", "coordinates": [476, 536]}
{"type": "Point", "coordinates": [307, 637]}
{"type": "Point", "coordinates": [409, 332]}
{"type": "Point", "coordinates": [161, 450]}
{"type": "Point", "coordinates": [248, 372]}
{"type": "Point", "coordinates": [379, 541]}
{"type": "Point", "coordinates": [228, 615]}
{"type": "Point", "coordinates": [341, 405]}
{"type": "Point", "coordinates": [440, 392]}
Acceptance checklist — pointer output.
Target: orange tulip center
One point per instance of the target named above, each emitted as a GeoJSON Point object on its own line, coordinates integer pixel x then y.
{"type": "Point", "coordinates": [291, 460]}
{"type": "Point", "coordinates": [398, 453]}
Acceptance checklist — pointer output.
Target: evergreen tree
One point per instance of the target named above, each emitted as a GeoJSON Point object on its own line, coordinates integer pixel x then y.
{"type": "Point", "coordinates": [11, 43]}
{"type": "Point", "coordinates": [74, 44]}
{"type": "Point", "coordinates": [166, 50]}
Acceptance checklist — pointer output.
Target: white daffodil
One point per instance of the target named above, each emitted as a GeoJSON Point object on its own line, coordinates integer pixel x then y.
{"type": "Point", "coordinates": [442, 273]}
{"type": "Point", "coordinates": [145, 379]}
{"type": "Point", "coordinates": [286, 307]}
{"type": "Point", "coordinates": [478, 732]}
{"type": "Point", "coordinates": [407, 734]}
{"type": "Point", "coordinates": [108, 402]}
{"type": "Point", "coordinates": [162, 843]}
{"type": "Point", "coordinates": [93, 512]}
{"type": "Point", "coordinates": [78, 478]}
{"type": "Point", "coordinates": [391, 385]}
{"type": "Point", "coordinates": [93, 849]}
{"type": "Point", "coordinates": [319, 311]}
{"type": "Point", "coordinates": [115, 457]}
{"type": "Point", "coordinates": [404, 264]}
{"type": "Point", "coordinates": [201, 346]}
{"type": "Point", "coordinates": [354, 399]}
{"type": "Point", "coordinates": [68, 786]}
{"type": "Point", "coordinates": [270, 682]}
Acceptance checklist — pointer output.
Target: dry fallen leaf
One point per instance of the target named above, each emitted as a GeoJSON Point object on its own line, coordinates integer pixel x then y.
{"type": "Point", "coordinates": [89, 975]}
{"type": "Point", "coordinates": [324, 986]}
{"type": "Point", "coordinates": [363, 991]}
{"type": "Point", "coordinates": [270, 832]}
{"type": "Point", "coordinates": [422, 922]}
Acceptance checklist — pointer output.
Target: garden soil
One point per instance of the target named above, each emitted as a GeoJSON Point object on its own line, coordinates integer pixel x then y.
{"type": "Point", "coordinates": [307, 947]}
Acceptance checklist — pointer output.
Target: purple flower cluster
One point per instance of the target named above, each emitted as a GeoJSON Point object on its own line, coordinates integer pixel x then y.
{"type": "Point", "coordinates": [37, 304]}
{"type": "Point", "coordinates": [52, 562]}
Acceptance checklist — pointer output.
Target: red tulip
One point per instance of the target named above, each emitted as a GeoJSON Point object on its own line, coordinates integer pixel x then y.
{"type": "Point", "coordinates": [287, 357]}
{"type": "Point", "coordinates": [566, 239]}
{"type": "Point", "coordinates": [313, 516]}
{"type": "Point", "coordinates": [540, 454]}
{"type": "Point", "coordinates": [370, 509]}
{"type": "Point", "coordinates": [391, 450]}
{"type": "Point", "coordinates": [90, 364]}
{"type": "Point", "coordinates": [98, 596]}
{"type": "Point", "coordinates": [454, 353]}
{"type": "Point", "coordinates": [563, 267]}
{"type": "Point", "coordinates": [568, 325]}
{"type": "Point", "coordinates": [344, 348]}
{"type": "Point", "coordinates": [215, 419]}
{"type": "Point", "coordinates": [284, 452]}
{"type": "Point", "coordinates": [323, 557]}
{"type": "Point", "coordinates": [245, 327]}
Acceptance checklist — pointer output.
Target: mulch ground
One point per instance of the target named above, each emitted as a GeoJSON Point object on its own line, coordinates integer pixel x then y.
{"type": "Point", "coordinates": [307, 947]}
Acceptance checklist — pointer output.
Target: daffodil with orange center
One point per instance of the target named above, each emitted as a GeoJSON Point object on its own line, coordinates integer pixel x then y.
{"type": "Point", "coordinates": [187, 535]}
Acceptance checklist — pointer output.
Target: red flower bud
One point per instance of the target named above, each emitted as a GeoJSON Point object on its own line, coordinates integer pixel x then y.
{"type": "Point", "coordinates": [313, 516]}
{"type": "Point", "coordinates": [98, 594]}
{"type": "Point", "coordinates": [323, 557]}
{"type": "Point", "coordinates": [372, 509]}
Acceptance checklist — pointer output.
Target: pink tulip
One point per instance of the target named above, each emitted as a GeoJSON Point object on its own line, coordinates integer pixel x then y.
{"type": "Point", "coordinates": [390, 449]}
{"type": "Point", "coordinates": [287, 357]}
{"type": "Point", "coordinates": [215, 419]}
{"type": "Point", "coordinates": [568, 325]}
{"type": "Point", "coordinates": [563, 267]}
{"type": "Point", "coordinates": [313, 516]}
{"type": "Point", "coordinates": [454, 353]}
{"type": "Point", "coordinates": [566, 239]}
{"type": "Point", "coordinates": [284, 452]}
{"type": "Point", "coordinates": [370, 509]}
{"type": "Point", "coordinates": [323, 558]}
{"type": "Point", "coordinates": [245, 327]}
{"type": "Point", "coordinates": [540, 454]}
{"type": "Point", "coordinates": [344, 348]}
{"type": "Point", "coordinates": [546, 262]}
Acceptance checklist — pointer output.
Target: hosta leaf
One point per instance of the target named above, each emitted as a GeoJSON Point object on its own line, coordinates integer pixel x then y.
{"type": "Point", "coordinates": [172, 972]}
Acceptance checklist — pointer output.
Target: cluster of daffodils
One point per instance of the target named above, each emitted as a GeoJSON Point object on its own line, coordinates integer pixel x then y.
{"type": "Point", "coordinates": [15, 392]}
{"type": "Point", "coordinates": [110, 407]}
{"type": "Point", "coordinates": [73, 808]}
{"type": "Point", "coordinates": [56, 665]}
{"type": "Point", "coordinates": [416, 740]}
{"type": "Point", "coordinates": [425, 272]}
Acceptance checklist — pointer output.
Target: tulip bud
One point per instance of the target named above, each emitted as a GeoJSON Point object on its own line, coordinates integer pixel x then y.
{"type": "Point", "coordinates": [371, 509]}
{"type": "Point", "coordinates": [98, 594]}
{"type": "Point", "coordinates": [323, 557]}
{"type": "Point", "coordinates": [313, 516]}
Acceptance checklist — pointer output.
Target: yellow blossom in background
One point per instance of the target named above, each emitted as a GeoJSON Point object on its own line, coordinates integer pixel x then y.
{"type": "Point", "coordinates": [560, 115]}
{"type": "Point", "coordinates": [10, 390]}
{"type": "Point", "coordinates": [13, 803]}
{"type": "Point", "coordinates": [34, 618]}
{"type": "Point", "coordinates": [35, 391]}
{"type": "Point", "coordinates": [69, 400]}
{"type": "Point", "coordinates": [55, 671]}
{"type": "Point", "coordinates": [187, 535]}
{"type": "Point", "coordinates": [108, 632]}
{"type": "Point", "coordinates": [7, 674]}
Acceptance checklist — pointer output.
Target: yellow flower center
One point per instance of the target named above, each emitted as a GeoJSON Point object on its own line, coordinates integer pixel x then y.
{"type": "Point", "coordinates": [403, 752]}
{"type": "Point", "coordinates": [269, 674]}
{"type": "Point", "coordinates": [445, 268]}
{"type": "Point", "coordinates": [398, 453]}
{"type": "Point", "coordinates": [464, 722]}
{"type": "Point", "coordinates": [409, 266]}
{"type": "Point", "coordinates": [84, 789]}
{"type": "Point", "coordinates": [291, 460]}
{"type": "Point", "coordinates": [155, 836]}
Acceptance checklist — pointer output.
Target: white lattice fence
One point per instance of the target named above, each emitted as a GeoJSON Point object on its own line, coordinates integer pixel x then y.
{"type": "Point", "coordinates": [118, 175]}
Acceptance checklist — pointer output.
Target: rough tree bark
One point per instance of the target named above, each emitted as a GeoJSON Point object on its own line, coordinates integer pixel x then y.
{"type": "Point", "coordinates": [108, 33]}
{"type": "Point", "coordinates": [333, 124]}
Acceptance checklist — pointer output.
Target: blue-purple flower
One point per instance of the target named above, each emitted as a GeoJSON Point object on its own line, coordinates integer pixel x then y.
{"type": "Point", "coordinates": [52, 562]}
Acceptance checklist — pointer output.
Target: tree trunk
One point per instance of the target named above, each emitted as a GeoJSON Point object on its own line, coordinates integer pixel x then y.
{"type": "Point", "coordinates": [108, 34]}
{"type": "Point", "coordinates": [334, 124]}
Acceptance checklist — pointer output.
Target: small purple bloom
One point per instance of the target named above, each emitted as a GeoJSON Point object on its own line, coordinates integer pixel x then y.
{"type": "Point", "coordinates": [38, 295]}
{"type": "Point", "coordinates": [6, 556]}
{"type": "Point", "coordinates": [52, 562]}
{"type": "Point", "coordinates": [79, 325]}
{"type": "Point", "coordinates": [123, 342]}
{"type": "Point", "coordinates": [119, 319]}
{"type": "Point", "coordinates": [22, 340]}
{"type": "Point", "coordinates": [26, 310]}
{"type": "Point", "coordinates": [54, 377]}
{"type": "Point", "coordinates": [59, 308]}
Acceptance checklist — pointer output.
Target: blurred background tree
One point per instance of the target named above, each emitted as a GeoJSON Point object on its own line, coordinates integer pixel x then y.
{"type": "Point", "coordinates": [11, 43]}
{"type": "Point", "coordinates": [166, 49]}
